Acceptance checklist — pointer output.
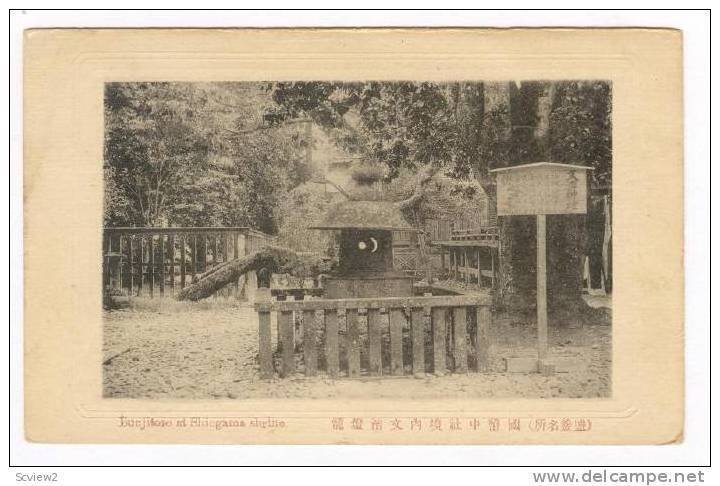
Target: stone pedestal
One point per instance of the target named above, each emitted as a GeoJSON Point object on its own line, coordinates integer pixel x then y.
{"type": "Point", "coordinates": [364, 286]}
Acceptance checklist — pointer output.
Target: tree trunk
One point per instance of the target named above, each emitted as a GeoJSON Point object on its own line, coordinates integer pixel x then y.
{"type": "Point", "coordinates": [274, 259]}
{"type": "Point", "coordinates": [566, 247]}
{"type": "Point", "coordinates": [517, 267]}
{"type": "Point", "coordinates": [516, 288]}
{"type": "Point", "coordinates": [516, 284]}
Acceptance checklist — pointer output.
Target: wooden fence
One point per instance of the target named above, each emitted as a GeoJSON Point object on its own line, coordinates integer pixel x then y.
{"type": "Point", "coordinates": [151, 261]}
{"type": "Point", "coordinates": [468, 264]}
{"type": "Point", "coordinates": [374, 336]}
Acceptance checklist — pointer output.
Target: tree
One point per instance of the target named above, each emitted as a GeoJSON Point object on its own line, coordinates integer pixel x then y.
{"type": "Point", "coordinates": [151, 144]}
{"type": "Point", "coordinates": [271, 258]}
{"type": "Point", "coordinates": [117, 208]}
{"type": "Point", "coordinates": [275, 259]}
{"type": "Point", "coordinates": [468, 129]}
{"type": "Point", "coordinates": [401, 124]}
{"type": "Point", "coordinates": [581, 127]}
{"type": "Point", "coordinates": [304, 204]}
{"type": "Point", "coordinates": [190, 154]}
{"type": "Point", "coordinates": [568, 122]}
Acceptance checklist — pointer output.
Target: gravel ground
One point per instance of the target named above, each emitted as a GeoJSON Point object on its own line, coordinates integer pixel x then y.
{"type": "Point", "coordinates": [173, 350]}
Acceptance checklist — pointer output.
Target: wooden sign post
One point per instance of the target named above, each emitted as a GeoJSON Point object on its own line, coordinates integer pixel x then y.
{"type": "Point", "coordinates": [542, 288]}
{"type": "Point", "coordinates": [540, 189]}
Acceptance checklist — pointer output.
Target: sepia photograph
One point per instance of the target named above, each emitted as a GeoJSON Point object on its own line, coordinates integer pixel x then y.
{"type": "Point", "coordinates": [404, 239]}
{"type": "Point", "coordinates": [439, 237]}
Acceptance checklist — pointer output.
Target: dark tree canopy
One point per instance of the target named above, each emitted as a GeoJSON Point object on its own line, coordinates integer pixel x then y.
{"type": "Point", "coordinates": [191, 154]}
{"type": "Point", "coordinates": [412, 124]}
{"type": "Point", "coordinates": [466, 129]}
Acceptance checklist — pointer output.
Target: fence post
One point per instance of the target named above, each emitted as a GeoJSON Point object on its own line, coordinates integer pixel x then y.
{"type": "Point", "coordinates": [236, 256]}
{"type": "Point", "coordinates": [482, 341]}
{"type": "Point", "coordinates": [226, 258]}
{"type": "Point", "coordinates": [438, 330]}
{"type": "Point", "coordinates": [206, 249]}
{"type": "Point", "coordinates": [492, 269]}
{"type": "Point", "coordinates": [132, 267]}
{"type": "Point", "coordinates": [309, 342]}
{"type": "Point", "coordinates": [374, 338]}
{"type": "Point", "coordinates": [264, 337]}
{"type": "Point", "coordinates": [353, 343]}
{"type": "Point", "coordinates": [287, 338]}
{"type": "Point", "coordinates": [120, 264]}
{"type": "Point", "coordinates": [418, 340]}
{"type": "Point", "coordinates": [172, 263]}
{"type": "Point", "coordinates": [542, 288]}
{"type": "Point", "coordinates": [142, 264]}
{"type": "Point", "coordinates": [162, 264]}
{"type": "Point", "coordinates": [105, 266]}
{"type": "Point", "coordinates": [183, 257]}
{"type": "Point", "coordinates": [331, 342]}
{"type": "Point", "coordinates": [194, 259]}
{"type": "Point", "coordinates": [466, 266]}
{"type": "Point", "coordinates": [455, 264]}
{"type": "Point", "coordinates": [397, 322]}
{"type": "Point", "coordinates": [460, 333]}
{"type": "Point", "coordinates": [152, 264]}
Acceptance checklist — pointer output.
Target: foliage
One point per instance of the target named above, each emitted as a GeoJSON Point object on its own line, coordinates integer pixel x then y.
{"type": "Point", "coordinates": [196, 154]}
{"type": "Point", "coordinates": [117, 208]}
{"type": "Point", "coordinates": [226, 153]}
{"type": "Point", "coordinates": [413, 124]}
{"type": "Point", "coordinates": [581, 127]}
{"type": "Point", "coordinates": [400, 124]}
{"type": "Point", "coordinates": [368, 173]}
{"type": "Point", "coordinates": [302, 206]}
{"type": "Point", "coordinates": [151, 144]}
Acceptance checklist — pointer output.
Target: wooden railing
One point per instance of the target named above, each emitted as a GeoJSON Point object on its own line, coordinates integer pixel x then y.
{"type": "Point", "coordinates": [470, 265]}
{"type": "Point", "coordinates": [374, 336]}
{"type": "Point", "coordinates": [297, 293]}
{"type": "Point", "coordinates": [151, 261]}
{"type": "Point", "coordinates": [481, 233]}
{"type": "Point", "coordinates": [404, 238]}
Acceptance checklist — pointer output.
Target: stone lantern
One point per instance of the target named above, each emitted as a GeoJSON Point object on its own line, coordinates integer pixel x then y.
{"type": "Point", "coordinates": [365, 240]}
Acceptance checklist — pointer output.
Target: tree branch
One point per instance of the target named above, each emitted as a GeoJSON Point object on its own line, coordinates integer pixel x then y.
{"type": "Point", "coordinates": [273, 258]}
{"type": "Point", "coordinates": [339, 189]}
{"type": "Point", "coordinates": [425, 176]}
{"type": "Point", "coordinates": [266, 127]}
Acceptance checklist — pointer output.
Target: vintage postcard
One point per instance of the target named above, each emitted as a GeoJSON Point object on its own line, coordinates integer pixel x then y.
{"type": "Point", "coordinates": [368, 236]}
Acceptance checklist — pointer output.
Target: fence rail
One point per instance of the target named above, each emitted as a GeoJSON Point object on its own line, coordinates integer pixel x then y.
{"type": "Point", "coordinates": [150, 261]}
{"type": "Point", "coordinates": [375, 336]}
{"type": "Point", "coordinates": [482, 233]}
